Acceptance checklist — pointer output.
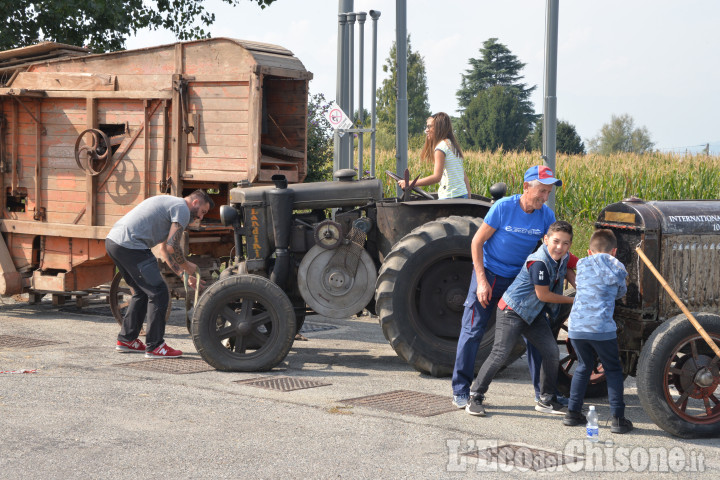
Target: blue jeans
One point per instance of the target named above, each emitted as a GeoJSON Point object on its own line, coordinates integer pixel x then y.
{"type": "Point", "coordinates": [535, 359]}
{"type": "Point", "coordinates": [508, 328]}
{"type": "Point", "coordinates": [474, 321]}
{"type": "Point", "coordinates": [609, 355]}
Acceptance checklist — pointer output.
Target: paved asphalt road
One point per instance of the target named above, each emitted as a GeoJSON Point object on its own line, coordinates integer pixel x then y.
{"type": "Point", "coordinates": [85, 415]}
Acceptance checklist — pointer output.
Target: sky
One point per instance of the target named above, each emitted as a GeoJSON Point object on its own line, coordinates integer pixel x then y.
{"type": "Point", "coordinates": [654, 60]}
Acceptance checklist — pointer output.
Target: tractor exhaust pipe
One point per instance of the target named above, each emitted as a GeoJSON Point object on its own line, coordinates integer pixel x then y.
{"type": "Point", "coordinates": [280, 200]}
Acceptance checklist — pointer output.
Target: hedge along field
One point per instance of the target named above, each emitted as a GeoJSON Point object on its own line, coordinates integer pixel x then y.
{"type": "Point", "coordinates": [590, 182]}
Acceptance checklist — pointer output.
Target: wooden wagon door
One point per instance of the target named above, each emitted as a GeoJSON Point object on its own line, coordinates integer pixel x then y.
{"type": "Point", "coordinates": [219, 137]}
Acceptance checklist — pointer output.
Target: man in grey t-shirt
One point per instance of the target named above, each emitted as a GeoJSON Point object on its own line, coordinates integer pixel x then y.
{"type": "Point", "coordinates": [156, 220]}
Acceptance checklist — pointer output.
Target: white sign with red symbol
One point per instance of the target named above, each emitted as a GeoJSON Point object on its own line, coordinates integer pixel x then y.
{"type": "Point", "coordinates": [337, 117]}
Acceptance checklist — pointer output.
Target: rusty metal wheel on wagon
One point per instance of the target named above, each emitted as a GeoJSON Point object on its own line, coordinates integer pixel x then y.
{"type": "Point", "coordinates": [92, 157]}
{"type": "Point", "coordinates": [678, 377]}
{"type": "Point", "coordinates": [120, 294]}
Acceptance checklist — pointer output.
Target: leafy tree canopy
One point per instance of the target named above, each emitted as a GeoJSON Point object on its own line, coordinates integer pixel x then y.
{"type": "Point", "coordinates": [620, 135]}
{"type": "Point", "coordinates": [567, 139]}
{"type": "Point", "coordinates": [101, 25]}
{"type": "Point", "coordinates": [497, 66]}
{"type": "Point", "coordinates": [319, 140]}
{"type": "Point", "coordinates": [417, 92]}
{"type": "Point", "coordinates": [493, 119]}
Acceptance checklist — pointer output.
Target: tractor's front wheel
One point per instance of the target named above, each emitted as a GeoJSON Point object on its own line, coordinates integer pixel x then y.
{"type": "Point", "coordinates": [678, 377]}
{"type": "Point", "coordinates": [243, 323]}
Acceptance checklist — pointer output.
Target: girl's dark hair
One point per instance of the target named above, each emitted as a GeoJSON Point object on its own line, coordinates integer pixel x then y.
{"type": "Point", "coordinates": [442, 129]}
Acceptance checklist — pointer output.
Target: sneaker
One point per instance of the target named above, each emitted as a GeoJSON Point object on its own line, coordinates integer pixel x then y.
{"type": "Point", "coordinates": [551, 407]}
{"type": "Point", "coordinates": [163, 351]}
{"type": "Point", "coordinates": [474, 406]}
{"type": "Point", "coordinates": [573, 419]}
{"type": "Point", "coordinates": [460, 401]}
{"type": "Point", "coordinates": [621, 425]}
{"type": "Point", "coordinates": [135, 346]}
{"type": "Point", "coordinates": [561, 399]}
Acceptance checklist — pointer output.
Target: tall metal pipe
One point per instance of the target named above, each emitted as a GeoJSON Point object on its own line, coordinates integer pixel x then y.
{"type": "Point", "coordinates": [401, 106]}
{"type": "Point", "coordinates": [374, 14]}
{"type": "Point", "coordinates": [338, 151]}
{"type": "Point", "coordinates": [550, 103]}
{"type": "Point", "coordinates": [361, 61]}
{"type": "Point", "coordinates": [340, 157]}
{"type": "Point", "coordinates": [351, 84]}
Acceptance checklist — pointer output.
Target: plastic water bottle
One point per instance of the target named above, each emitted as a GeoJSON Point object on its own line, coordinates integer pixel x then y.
{"type": "Point", "coordinates": [593, 431]}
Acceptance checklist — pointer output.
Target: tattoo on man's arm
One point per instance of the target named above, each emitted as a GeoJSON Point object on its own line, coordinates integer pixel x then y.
{"type": "Point", "coordinates": [177, 257]}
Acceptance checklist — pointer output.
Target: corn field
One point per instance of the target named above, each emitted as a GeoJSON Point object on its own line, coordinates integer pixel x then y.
{"type": "Point", "coordinates": [590, 182]}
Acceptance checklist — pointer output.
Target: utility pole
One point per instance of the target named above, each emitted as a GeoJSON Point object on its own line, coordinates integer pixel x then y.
{"type": "Point", "coordinates": [550, 103]}
{"type": "Point", "coordinates": [401, 106]}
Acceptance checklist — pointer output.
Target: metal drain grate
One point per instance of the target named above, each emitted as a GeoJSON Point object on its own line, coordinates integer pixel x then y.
{"type": "Point", "coordinates": [284, 384]}
{"type": "Point", "coordinates": [170, 365]}
{"type": "Point", "coordinates": [309, 327]}
{"type": "Point", "coordinates": [406, 402]}
{"type": "Point", "coordinates": [523, 457]}
{"type": "Point", "coordinates": [11, 341]}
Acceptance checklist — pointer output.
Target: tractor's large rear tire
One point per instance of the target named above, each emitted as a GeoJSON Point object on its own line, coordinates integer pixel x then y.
{"type": "Point", "coordinates": [243, 323]}
{"type": "Point", "coordinates": [678, 377]}
{"type": "Point", "coordinates": [420, 292]}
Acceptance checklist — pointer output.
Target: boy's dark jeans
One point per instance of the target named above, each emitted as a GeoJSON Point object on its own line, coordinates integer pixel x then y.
{"type": "Point", "coordinates": [150, 297]}
{"type": "Point", "coordinates": [508, 328]}
{"type": "Point", "coordinates": [609, 355]}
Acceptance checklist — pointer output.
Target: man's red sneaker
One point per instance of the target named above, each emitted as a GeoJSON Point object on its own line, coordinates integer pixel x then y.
{"type": "Point", "coordinates": [135, 346]}
{"type": "Point", "coordinates": [163, 351]}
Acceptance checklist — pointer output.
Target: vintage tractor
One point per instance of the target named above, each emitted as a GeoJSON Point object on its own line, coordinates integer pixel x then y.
{"type": "Point", "coordinates": [407, 259]}
{"type": "Point", "coordinates": [677, 371]}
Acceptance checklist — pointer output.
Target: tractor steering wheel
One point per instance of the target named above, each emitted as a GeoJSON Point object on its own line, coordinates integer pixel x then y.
{"type": "Point", "coordinates": [417, 190]}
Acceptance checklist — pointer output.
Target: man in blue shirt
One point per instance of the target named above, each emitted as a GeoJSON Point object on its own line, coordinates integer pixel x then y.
{"type": "Point", "coordinates": [510, 232]}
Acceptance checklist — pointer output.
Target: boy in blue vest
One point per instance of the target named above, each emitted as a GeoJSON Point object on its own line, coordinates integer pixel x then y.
{"type": "Point", "coordinates": [592, 330]}
{"type": "Point", "coordinates": [537, 290]}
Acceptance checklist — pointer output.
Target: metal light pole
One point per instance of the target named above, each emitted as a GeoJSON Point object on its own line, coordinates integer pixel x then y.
{"type": "Point", "coordinates": [550, 103]}
{"type": "Point", "coordinates": [374, 14]}
{"type": "Point", "coordinates": [401, 106]}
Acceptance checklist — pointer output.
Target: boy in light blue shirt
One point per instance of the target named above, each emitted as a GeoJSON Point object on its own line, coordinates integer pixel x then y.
{"type": "Point", "coordinates": [592, 331]}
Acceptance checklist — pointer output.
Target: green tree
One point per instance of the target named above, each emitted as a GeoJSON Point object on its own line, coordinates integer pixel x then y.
{"type": "Point", "coordinates": [567, 139]}
{"type": "Point", "coordinates": [319, 140]}
{"type": "Point", "coordinates": [493, 119]}
{"type": "Point", "coordinates": [620, 135]}
{"type": "Point", "coordinates": [498, 70]}
{"type": "Point", "coordinates": [101, 25]}
{"type": "Point", "coordinates": [497, 66]}
{"type": "Point", "coordinates": [417, 93]}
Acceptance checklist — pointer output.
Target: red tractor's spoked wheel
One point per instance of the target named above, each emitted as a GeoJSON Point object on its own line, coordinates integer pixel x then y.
{"type": "Point", "coordinates": [691, 379]}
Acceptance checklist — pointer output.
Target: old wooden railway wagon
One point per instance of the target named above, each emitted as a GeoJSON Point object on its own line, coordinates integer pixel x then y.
{"type": "Point", "coordinates": [84, 138]}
